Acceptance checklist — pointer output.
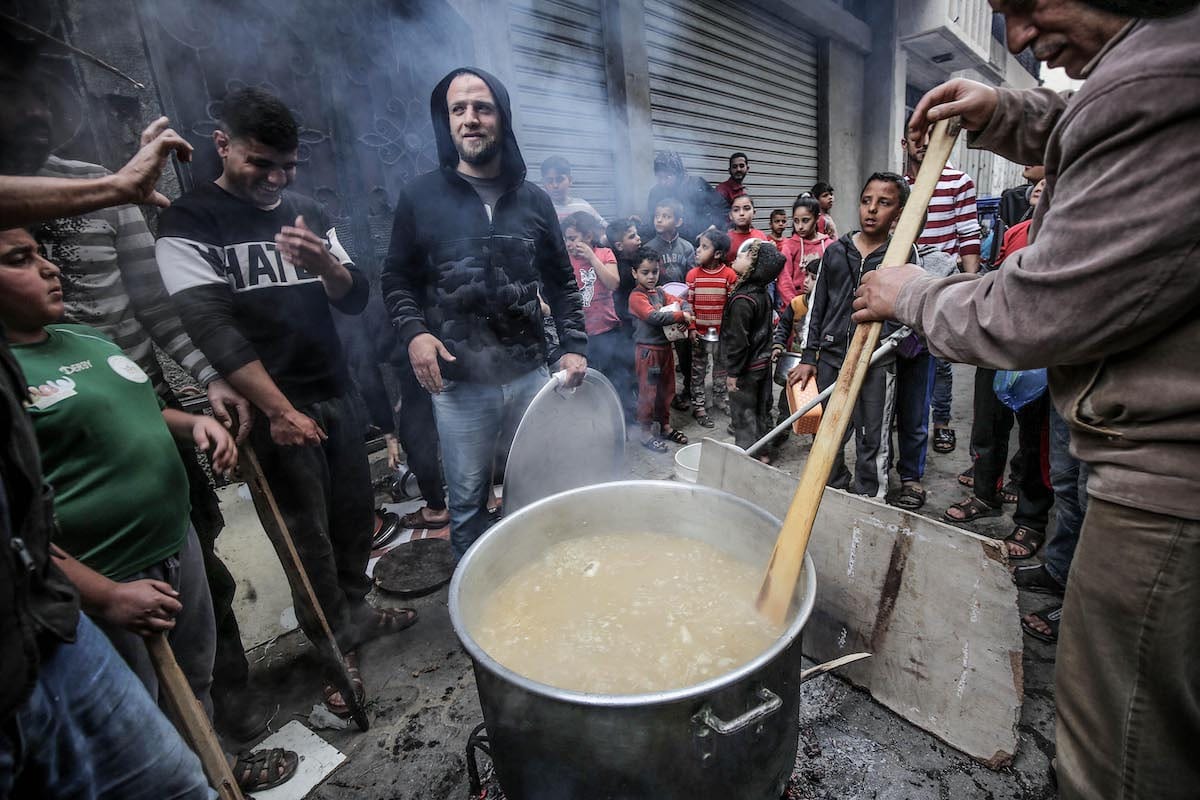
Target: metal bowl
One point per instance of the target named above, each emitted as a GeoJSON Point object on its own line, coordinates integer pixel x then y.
{"type": "Point", "coordinates": [785, 364]}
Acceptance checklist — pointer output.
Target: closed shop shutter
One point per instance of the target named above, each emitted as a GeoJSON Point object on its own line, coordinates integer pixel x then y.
{"type": "Point", "coordinates": [562, 94]}
{"type": "Point", "coordinates": [726, 77]}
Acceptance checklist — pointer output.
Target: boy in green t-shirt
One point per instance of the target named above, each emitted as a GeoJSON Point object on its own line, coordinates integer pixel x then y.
{"type": "Point", "coordinates": [122, 536]}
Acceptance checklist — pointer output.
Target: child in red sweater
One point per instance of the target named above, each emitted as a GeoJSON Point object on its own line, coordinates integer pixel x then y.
{"type": "Point", "coordinates": [805, 246]}
{"type": "Point", "coordinates": [741, 225]}
{"type": "Point", "coordinates": [653, 356]}
{"type": "Point", "coordinates": [778, 223]}
{"type": "Point", "coordinates": [708, 285]}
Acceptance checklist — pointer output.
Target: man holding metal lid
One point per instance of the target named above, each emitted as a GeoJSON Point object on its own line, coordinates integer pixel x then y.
{"type": "Point", "coordinates": [1106, 297]}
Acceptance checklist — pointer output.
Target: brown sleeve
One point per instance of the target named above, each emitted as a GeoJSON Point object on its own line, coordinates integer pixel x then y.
{"type": "Point", "coordinates": [1021, 126]}
{"type": "Point", "coordinates": [1110, 267]}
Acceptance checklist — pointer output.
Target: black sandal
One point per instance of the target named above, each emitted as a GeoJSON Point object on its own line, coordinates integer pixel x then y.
{"type": "Point", "coordinates": [260, 770]}
{"type": "Point", "coordinates": [1024, 537]}
{"type": "Point", "coordinates": [972, 509]}
{"type": "Point", "coordinates": [1008, 493]}
{"type": "Point", "coordinates": [910, 496]}
{"type": "Point", "coordinates": [1036, 578]}
{"type": "Point", "coordinates": [944, 440]}
{"type": "Point", "coordinates": [681, 403]}
{"type": "Point", "coordinates": [1050, 617]}
{"type": "Point", "coordinates": [676, 436]}
{"type": "Point", "coordinates": [705, 421]}
{"type": "Point", "coordinates": [967, 477]}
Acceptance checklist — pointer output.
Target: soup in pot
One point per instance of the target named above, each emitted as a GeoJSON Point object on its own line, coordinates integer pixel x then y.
{"type": "Point", "coordinates": [626, 614]}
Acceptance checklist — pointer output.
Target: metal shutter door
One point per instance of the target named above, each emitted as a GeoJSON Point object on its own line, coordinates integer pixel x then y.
{"type": "Point", "coordinates": [712, 95]}
{"type": "Point", "coordinates": [562, 94]}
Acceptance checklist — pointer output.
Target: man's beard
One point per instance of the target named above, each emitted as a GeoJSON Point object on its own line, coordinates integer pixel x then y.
{"type": "Point", "coordinates": [483, 156]}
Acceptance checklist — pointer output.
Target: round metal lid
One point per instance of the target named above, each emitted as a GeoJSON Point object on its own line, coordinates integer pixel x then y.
{"type": "Point", "coordinates": [567, 438]}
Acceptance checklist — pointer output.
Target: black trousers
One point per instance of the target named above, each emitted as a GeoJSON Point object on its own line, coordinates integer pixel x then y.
{"type": "Point", "coordinates": [989, 443]}
{"type": "Point", "coordinates": [416, 429]}
{"type": "Point", "coordinates": [324, 494]}
{"type": "Point", "coordinates": [750, 408]}
{"type": "Point", "coordinates": [870, 425]}
{"type": "Point", "coordinates": [683, 362]}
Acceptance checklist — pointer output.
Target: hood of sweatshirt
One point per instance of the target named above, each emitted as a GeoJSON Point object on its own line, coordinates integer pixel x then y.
{"type": "Point", "coordinates": [512, 164]}
{"type": "Point", "coordinates": [766, 267]}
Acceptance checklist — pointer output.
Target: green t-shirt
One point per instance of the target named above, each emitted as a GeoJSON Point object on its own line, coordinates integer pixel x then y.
{"type": "Point", "coordinates": [121, 493]}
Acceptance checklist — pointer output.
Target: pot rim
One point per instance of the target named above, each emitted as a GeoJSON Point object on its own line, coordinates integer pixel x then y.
{"type": "Point", "coordinates": [695, 691]}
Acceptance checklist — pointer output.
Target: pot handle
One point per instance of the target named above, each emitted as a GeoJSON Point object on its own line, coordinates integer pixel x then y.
{"type": "Point", "coordinates": [771, 703]}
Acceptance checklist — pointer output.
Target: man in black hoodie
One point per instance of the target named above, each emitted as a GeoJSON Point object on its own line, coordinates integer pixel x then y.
{"type": "Point", "coordinates": [472, 244]}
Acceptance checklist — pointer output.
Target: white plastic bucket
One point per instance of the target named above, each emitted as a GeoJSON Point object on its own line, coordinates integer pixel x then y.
{"type": "Point", "coordinates": [687, 463]}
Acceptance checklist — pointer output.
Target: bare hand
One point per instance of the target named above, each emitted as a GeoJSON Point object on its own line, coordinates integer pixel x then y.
{"type": "Point", "coordinates": [423, 353]}
{"type": "Point", "coordinates": [576, 367]}
{"type": "Point", "coordinates": [776, 354]}
{"type": "Point", "coordinates": [393, 450]}
{"type": "Point", "coordinates": [223, 399]}
{"type": "Point", "coordinates": [973, 102]}
{"type": "Point", "coordinates": [731, 384]}
{"type": "Point", "coordinates": [875, 298]}
{"type": "Point", "coordinates": [305, 249]}
{"type": "Point", "coordinates": [688, 318]}
{"type": "Point", "coordinates": [212, 438]}
{"type": "Point", "coordinates": [144, 607]}
{"type": "Point", "coordinates": [801, 374]}
{"type": "Point", "coordinates": [138, 177]}
{"type": "Point", "coordinates": [292, 428]}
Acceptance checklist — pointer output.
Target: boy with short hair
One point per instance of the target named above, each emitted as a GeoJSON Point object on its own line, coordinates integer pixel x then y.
{"type": "Point", "coordinates": [777, 224]}
{"type": "Point", "coordinates": [830, 328]}
{"type": "Point", "coordinates": [709, 284]}
{"type": "Point", "coordinates": [655, 364]}
{"type": "Point", "coordinates": [676, 257]}
{"type": "Point", "coordinates": [557, 181]}
{"type": "Point", "coordinates": [824, 193]}
{"type": "Point", "coordinates": [741, 222]}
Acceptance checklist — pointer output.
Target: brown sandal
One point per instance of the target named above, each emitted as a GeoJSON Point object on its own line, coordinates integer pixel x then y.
{"type": "Point", "coordinates": [264, 769]}
{"type": "Point", "coordinates": [1029, 540]}
{"type": "Point", "coordinates": [971, 509]}
{"type": "Point", "coordinates": [333, 698]}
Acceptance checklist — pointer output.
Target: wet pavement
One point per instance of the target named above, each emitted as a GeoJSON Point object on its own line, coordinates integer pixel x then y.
{"type": "Point", "coordinates": [423, 704]}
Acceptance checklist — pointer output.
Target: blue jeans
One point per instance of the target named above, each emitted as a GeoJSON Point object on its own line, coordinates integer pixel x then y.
{"type": "Point", "coordinates": [89, 731]}
{"type": "Point", "coordinates": [913, 388]}
{"type": "Point", "coordinates": [943, 389]}
{"type": "Point", "coordinates": [476, 423]}
{"type": "Point", "coordinates": [1068, 478]}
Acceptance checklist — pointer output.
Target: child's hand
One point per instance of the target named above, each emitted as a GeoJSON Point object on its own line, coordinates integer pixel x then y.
{"type": "Point", "coordinates": [731, 384]}
{"type": "Point", "coordinates": [776, 352]}
{"type": "Point", "coordinates": [143, 606]}
{"type": "Point", "coordinates": [212, 438]}
{"type": "Point", "coordinates": [688, 318]}
{"type": "Point", "coordinates": [801, 374]}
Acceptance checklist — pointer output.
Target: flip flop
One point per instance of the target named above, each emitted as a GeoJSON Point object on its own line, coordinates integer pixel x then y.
{"type": "Point", "coordinates": [1027, 538]}
{"type": "Point", "coordinates": [971, 509]}
{"type": "Point", "coordinates": [416, 520]}
{"type": "Point", "coordinates": [1050, 617]}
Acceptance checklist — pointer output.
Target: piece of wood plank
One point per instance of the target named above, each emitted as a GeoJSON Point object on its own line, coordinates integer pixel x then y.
{"type": "Point", "coordinates": [190, 718]}
{"type": "Point", "coordinates": [277, 531]}
{"type": "Point", "coordinates": [783, 570]}
{"type": "Point", "coordinates": [934, 604]}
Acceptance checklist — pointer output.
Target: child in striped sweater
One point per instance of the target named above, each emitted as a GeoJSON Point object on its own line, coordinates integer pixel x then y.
{"type": "Point", "coordinates": [708, 285]}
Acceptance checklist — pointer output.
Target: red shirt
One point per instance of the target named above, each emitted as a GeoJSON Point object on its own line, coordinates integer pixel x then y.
{"type": "Point", "coordinates": [1015, 238]}
{"type": "Point", "coordinates": [599, 314]}
{"type": "Point", "coordinates": [737, 238]}
{"type": "Point", "coordinates": [707, 292]}
{"type": "Point", "coordinates": [729, 189]}
{"type": "Point", "coordinates": [797, 253]}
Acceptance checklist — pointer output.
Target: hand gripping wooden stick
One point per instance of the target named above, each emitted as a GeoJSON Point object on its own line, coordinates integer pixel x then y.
{"type": "Point", "coordinates": [783, 570]}
{"type": "Point", "coordinates": [293, 568]}
{"type": "Point", "coordinates": [190, 717]}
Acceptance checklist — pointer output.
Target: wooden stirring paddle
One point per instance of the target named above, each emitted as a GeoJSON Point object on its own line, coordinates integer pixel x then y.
{"type": "Point", "coordinates": [775, 596]}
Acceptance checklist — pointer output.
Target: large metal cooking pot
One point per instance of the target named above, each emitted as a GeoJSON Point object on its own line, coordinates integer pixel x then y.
{"type": "Point", "coordinates": [730, 738]}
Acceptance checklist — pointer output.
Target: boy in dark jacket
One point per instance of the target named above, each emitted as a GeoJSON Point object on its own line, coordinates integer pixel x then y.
{"type": "Point", "coordinates": [830, 328]}
{"type": "Point", "coordinates": [746, 331]}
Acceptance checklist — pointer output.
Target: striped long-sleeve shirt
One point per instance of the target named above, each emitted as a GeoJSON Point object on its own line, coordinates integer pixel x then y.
{"type": "Point", "coordinates": [953, 224]}
{"type": "Point", "coordinates": [111, 282]}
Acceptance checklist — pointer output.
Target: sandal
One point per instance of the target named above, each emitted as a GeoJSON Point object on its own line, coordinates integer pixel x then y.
{"type": "Point", "coordinates": [681, 403]}
{"type": "Point", "coordinates": [1029, 540]}
{"type": "Point", "coordinates": [1036, 578]}
{"type": "Point", "coordinates": [676, 436]}
{"type": "Point", "coordinates": [971, 509]}
{"type": "Point", "coordinates": [705, 421]}
{"type": "Point", "coordinates": [967, 477]}
{"type": "Point", "coordinates": [387, 528]}
{"type": "Point", "coordinates": [417, 521]}
{"type": "Point", "coordinates": [1050, 617]}
{"type": "Point", "coordinates": [655, 444]}
{"type": "Point", "coordinates": [910, 496]}
{"type": "Point", "coordinates": [264, 769]}
{"type": "Point", "coordinates": [944, 440]}
{"type": "Point", "coordinates": [1008, 493]}
{"type": "Point", "coordinates": [379, 622]}
{"type": "Point", "coordinates": [333, 698]}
